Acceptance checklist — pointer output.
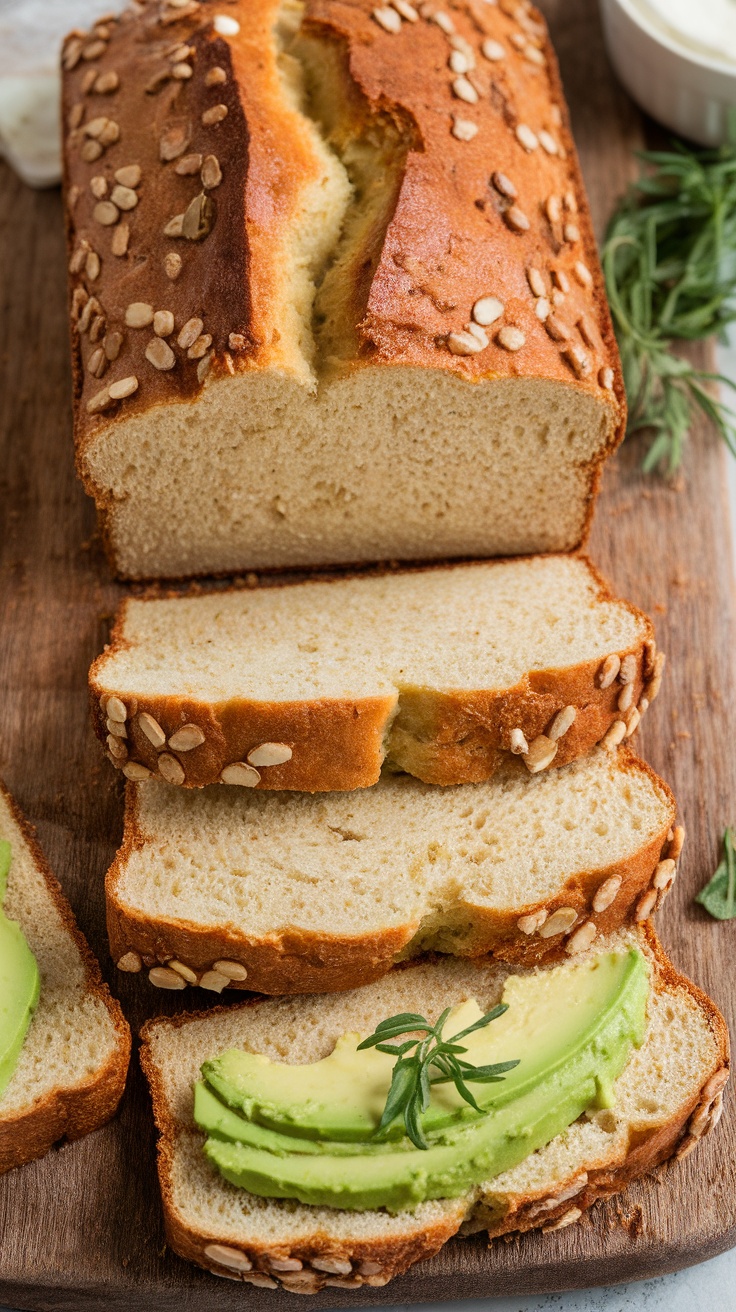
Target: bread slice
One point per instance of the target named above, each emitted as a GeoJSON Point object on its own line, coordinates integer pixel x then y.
{"type": "Point", "coordinates": [72, 1067]}
{"type": "Point", "coordinates": [318, 397]}
{"type": "Point", "coordinates": [668, 1096]}
{"type": "Point", "coordinates": [297, 893]}
{"type": "Point", "coordinates": [442, 672]}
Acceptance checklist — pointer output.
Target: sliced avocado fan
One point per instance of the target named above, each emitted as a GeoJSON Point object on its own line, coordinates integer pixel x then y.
{"type": "Point", "coordinates": [309, 1132]}
{"type": "Point", "coordinates": [20, 982]}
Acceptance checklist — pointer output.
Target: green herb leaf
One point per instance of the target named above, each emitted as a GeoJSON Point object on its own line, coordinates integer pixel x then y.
{"type": "Point", "coordinates": [412, 1076]}
{"type": "Point", "coordinates": [719, 895]}
{"type": "Point", "coordinates": [669, 260]}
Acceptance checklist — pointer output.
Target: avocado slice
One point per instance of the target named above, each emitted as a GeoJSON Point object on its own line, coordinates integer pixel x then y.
{"type": "Point", "coordinates": [607, 995]}
{"type": "Point", "coordinates": [20, 982]}
{"type": "Point", "coordinates": [342, 1096]}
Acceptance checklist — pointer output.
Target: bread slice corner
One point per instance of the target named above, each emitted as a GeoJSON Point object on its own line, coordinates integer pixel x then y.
{"type": "Point", "coordinates": [667, 1098]}
{"type": "Point", "coordinates": [72, 1067]}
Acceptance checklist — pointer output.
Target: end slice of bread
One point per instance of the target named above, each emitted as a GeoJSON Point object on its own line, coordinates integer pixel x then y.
{"type": "Point", "coordinates": [296, 892]}
{"type": "Point", "coordinates": [442, 672]}
{"type": "Point", "coordinates": [71, 1070]}
{"type": "Point", "coordinates": [667, 1098]}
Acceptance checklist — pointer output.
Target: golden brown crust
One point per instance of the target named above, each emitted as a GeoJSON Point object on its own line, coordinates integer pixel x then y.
{"type": "Point", "coordinates": [66, 1113]}
{"type": "Point", "coordinates": [341, 744]}
{"type": "Point", "coordinates": [289, 960]}
{"type": "Point", "coordinates": [676, 1138]}
{"type": "Point", "coordinates": [422, 280]}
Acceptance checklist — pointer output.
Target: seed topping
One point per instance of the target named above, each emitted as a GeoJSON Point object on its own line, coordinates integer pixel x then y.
{"type": "Point", "coordinates": [131, 963]}
{"type": "Point", "coordinates": [186, 738]}
{"type": "Point", "coordinates": [139, 314]}
{"type": "Point", "coordinates": [504, 186]}
{"type": "Point", "coordinates": [607, 893]}
{"type": "Point", "coordinates": [559, 922]}
{"type": "Point", "coordinates": [526, 137]}
{"type": "Point", "coordinates": [163, 978]}
{"type": "Point", "coordinates": [270, 754]}
{"type": "Point", "coordinates": [510, 338]}
{"type": "Point", "coordinates": [493, 50]}
{"type": "Point", "coordinates": [123, 387]}
{"type": "Point", "coordinates": [463, 129]}
{"type": "Point", "coordinates": [487, 310]}
{"type": "Point", "coordinates": [152, 729]}
{"type": "Point", "coordinates": [516, 219]}
{"type": "Point", "coordinates": [464, 90]}
{"type": "Point", "coordinates": [233, 970]}
{"type": "Point", "coordinates": [542, 752]}
{"type": "Point", "coordinates": [240, 773]}
{"type": "Point", "coordinates": [159, 354]}
{"type": "Point", "coordinates": [218, 112]}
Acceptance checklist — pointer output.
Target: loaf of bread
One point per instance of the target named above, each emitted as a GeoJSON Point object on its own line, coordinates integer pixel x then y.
{"type": "Point", "coordinates": [668, 1096]}
{"type": "Point", "coordinates": [71, 1071]}
{"type": "Point", "coordinates": [441, 672]}
{"type": "Point", "coordinates": [335, 294]}
{"type": "Point", "coordinates": [296, 893]}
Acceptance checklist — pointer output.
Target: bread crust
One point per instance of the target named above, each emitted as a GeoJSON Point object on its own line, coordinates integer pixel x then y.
{"type": "Point", "coordinates": [393, 1257]}
{"type": "Point", "coordinates": [290, 960]}
{"type": "Point", "coordinates": [422, 278]}
{"type": "Point", "coordinates": [340, 744]}
{"type": "Point", "coordinates": [73, 1112]}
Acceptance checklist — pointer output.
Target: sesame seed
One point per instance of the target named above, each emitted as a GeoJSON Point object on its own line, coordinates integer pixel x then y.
{"type": "Point", "coordinates": [464, 343]}
{"type": "Point", "coordinates": [112, 343]}
{"type": "Point", "coordinates": [585, 328]}
{"type": "Point", "coordinates": [536, 281]}
{"type": "Point", "coordinates": [464, 90]}
{"type": "Point", "coordinates": [129, 175]}
{"type": "Point", "coordinates": [172, 265]}
{"type": "Point", "coordinates": [571, 232]}
{"type": "Point", "coordinates": [92, 266]}
{"type": "Point", "coordinates": [124, 197]}
{"type": "Point", "coordinates": [534, 55]}
{"type": "Point", "coordinates": [570, 202]}
{"type": "Point", "coordinates": [215, 76]}
{"type": "Point", "coordinates": [406, 10]}
{"type": "Point", "coordinates": [583, 274]}
{"type": "Point", "coordinates": [388, 19]}
{"type": "Point", "coordinates": [173, 142]}
{"type": "Point", "coordinates": [139, 314]}
{"type": "Point", "coordinates": [561, 280]}
{"type": "Point", "coordinates": [91, 151]}
{"type": "Point", "coordinates": [182, 72]}
{"type": "Point", "coordinates": [516, 219]}
{"type": "Point", "coordinates": [211, 172]}
{"type": "Point", "coordinates": [553, 209]}
{"type": "Point", "coordinates": [493, 51]}
{"type": "Point", "coordinates": [526, 137]}
{"type": "Point", "coordinates": [98, 186]}
{"type": "Point", "coordinates": [504, 185]}
{"type": "Point", "coordinates": [163, 323]}
{"type": "Point", "coordinates": [547, 142]}
{"type": "Point", "coordinates": [444, 22]}
{"type": "Point", "coordinates": [188, 164]}
{"type": "Point", "coordinates": [555, 114]}
{"type": "Point", "coordinates": [542, 308]}
{"type": "Point", "coordinates": [510, 338]}
{"type": "Point", "coordinates": [160, 354]}
{"type": "Point", "coordinates": [120, 238]}
{"type": "Point", "coordinates": [189, 333]}
{"type": "Point", "coordinates": [577, 359]}
{"type": "Point", "coordinates": [224, 25]}
{"type": "Point", "coordinates": [106, 213]}
{"type": "Point", "coordinates": [487, 310]}
{"type": "Point", "coordinates": [559, 332]}
{"type": "Point", "coordinates": [107, 82]}
{"type": "Point", "coordinates": [123, 387]}
{"type": "Point", "coordinates": [459, 63]}
{"type": "Point", "coordinates": [463, 129]}
{"type": "Point", "coordinates": [605, 378]}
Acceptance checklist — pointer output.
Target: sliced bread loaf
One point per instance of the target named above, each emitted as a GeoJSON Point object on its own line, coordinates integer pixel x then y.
{"type": "Point", "coordinates": [442, 672]}
{"type": "Point", "coordinates": [669, 1096]}
{"type": "Point", "coordinates": [296, 893]}
{"type": "Point", "coordinates": [70, 1074]}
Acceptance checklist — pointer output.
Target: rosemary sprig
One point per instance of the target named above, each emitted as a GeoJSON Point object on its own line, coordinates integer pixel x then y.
{"type": "Point", "coordinates": [418, 1057]}
{"type": "Point", "coordinates": [719, 895]}
{"type": "Point", "coordinates": [670, 265]}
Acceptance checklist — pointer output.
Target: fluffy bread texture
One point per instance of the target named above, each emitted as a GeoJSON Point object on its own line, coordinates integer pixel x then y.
{"type": "Point", "coordinates": [310, 893]}
{"type": "Point", "coordinates": [323, 208]}
{"type": "Point", "coordinates": [668, 1096]}
{"type": "Point", "coordinates": [442, 672]}
{"type": "Point", "coordinates": [71, 1070]}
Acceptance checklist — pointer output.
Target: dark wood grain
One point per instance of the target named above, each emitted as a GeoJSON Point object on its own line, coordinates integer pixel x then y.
{"type": "Point", "coordinates": [82, 1228]}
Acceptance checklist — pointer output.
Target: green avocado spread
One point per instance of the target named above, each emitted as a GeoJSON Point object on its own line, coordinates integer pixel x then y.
{"type": "Point", "coordinates": [309, 1132]}
{"type": "Point", "coordinates": [19, 981]}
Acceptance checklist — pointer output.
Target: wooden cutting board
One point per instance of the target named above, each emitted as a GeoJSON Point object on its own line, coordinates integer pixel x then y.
{"type": "Point", "coordinates": [82, 1228]}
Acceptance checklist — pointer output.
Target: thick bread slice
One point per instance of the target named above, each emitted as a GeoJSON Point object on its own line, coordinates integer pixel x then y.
{"type": "Point", "coordinates": [320, 212]}
{"type": "Point", "coordinates": [443, 672]}
{"type": "Point", "coordinates": [72, 1067]}
{"type": "Point", "coordinates": [668, 1096]}
{"type": "Point", "coordinates": [300, 893]}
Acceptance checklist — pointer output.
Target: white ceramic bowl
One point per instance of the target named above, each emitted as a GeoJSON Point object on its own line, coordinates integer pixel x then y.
{"type": "Point", "coordinates": [687, 91]}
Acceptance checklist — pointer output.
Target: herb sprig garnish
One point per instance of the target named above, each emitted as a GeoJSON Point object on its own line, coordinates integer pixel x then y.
{"type": "Point", "coordinates": [719, 895]}
{"type": "Point", "coordinates": [670, 264]}
{"type": "Point", "coordinates": [417, 1058]}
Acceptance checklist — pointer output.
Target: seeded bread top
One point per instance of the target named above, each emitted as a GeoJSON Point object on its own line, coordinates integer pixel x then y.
{"type": "Point", "coordinates": [192, 167]}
